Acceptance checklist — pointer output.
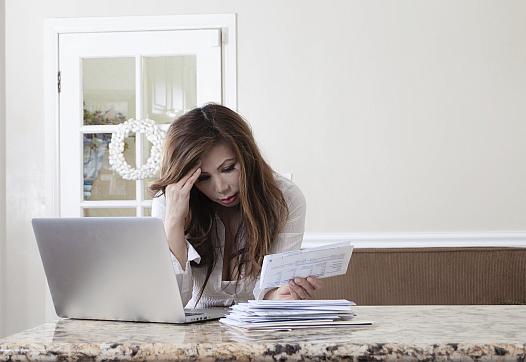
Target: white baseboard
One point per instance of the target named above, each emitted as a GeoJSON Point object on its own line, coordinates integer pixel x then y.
{"type": "Point", "coordinates": [419, 240]}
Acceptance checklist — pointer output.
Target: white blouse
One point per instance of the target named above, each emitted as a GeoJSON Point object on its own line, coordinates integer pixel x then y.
{"type": "Point", "coordinates": [223, 293]}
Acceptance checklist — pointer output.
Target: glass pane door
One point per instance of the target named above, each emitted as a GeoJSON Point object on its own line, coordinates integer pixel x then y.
{"type": "Point", "coordinates": [170, 87]}
{"type": "Point", "coordinates": [108, 78]}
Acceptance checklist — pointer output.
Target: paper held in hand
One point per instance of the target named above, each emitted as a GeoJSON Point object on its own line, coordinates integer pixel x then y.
{"type": "Point", "coordinates": [324, 261]}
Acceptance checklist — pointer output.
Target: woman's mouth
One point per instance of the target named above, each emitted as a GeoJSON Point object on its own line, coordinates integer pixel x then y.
{"type": "Point", "coordinates": [229, 200]}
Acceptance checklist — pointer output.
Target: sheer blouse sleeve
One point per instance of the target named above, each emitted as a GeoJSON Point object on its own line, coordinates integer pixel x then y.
{"type": "Point", "coordinates": [184, 276]}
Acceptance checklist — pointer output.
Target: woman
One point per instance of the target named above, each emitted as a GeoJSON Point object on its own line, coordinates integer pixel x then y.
{"type": "Point", "coordinates": [224, 209]}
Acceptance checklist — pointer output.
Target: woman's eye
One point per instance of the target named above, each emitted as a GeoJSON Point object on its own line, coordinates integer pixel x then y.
{"type": "Point", "coordinates": [229, 169]}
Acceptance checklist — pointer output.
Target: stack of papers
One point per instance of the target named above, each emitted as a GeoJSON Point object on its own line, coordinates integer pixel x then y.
{"type": "Point", "coordinates": [257, 315]}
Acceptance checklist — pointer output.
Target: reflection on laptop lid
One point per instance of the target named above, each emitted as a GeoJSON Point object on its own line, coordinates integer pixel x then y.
{"type": "Point", "coordinates": [114, 268]}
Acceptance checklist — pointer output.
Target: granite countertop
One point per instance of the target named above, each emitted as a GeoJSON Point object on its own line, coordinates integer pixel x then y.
{"type": "Point", "coordinates": [408, 332]}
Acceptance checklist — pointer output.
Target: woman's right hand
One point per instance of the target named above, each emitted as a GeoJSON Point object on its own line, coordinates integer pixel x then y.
{"type": "Point", "coordinates": [178, 196]}
{"type": "Point", "coordinates": [296, 289]}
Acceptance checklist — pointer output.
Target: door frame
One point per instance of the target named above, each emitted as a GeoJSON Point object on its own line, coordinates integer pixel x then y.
{"type": "Point", "coordinates": [56, 26]}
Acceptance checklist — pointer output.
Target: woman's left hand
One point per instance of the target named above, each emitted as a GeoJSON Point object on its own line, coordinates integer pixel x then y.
{"type": "Point", "coordinates": [296, 289]}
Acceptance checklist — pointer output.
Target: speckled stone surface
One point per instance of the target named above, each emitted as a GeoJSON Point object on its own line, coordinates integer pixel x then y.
{"type": "Point", "coordinates": [460, 333]}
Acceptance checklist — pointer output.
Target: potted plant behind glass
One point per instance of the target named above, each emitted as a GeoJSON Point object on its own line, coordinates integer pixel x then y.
{"type": "Point", "coordinates": [96, 144]}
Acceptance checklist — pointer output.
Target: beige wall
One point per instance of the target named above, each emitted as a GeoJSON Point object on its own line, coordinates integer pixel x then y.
{"type": "Point", "coordinates": [392, 116]}
{"type": "Point", "coordinates": [2, 165]}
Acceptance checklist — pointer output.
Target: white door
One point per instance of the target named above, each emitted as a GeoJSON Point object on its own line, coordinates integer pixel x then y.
{"type": "Point", "coordinates": [109, 77]}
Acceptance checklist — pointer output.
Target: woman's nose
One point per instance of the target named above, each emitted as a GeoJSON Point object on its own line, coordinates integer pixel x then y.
{"type": "Point", "coordinates": [221, 186]}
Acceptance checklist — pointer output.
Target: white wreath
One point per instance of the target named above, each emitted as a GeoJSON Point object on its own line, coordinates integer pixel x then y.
{"type": "Point", "coordinates": [153, 133]}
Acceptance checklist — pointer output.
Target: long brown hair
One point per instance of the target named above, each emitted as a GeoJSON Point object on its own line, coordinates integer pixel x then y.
{"type": "Point", "coordinates": [263, 208]}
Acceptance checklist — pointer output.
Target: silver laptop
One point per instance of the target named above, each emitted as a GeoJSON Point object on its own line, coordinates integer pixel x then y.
{"type": "Point", "coordinates": [113, 268]}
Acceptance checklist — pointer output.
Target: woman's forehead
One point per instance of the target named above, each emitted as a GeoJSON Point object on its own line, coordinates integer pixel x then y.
{"type": "Point", "coordinates": [216, 156]}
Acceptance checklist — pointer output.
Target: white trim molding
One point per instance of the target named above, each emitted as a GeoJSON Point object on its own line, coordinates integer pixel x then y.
{"type": "Point", "coordinates": [225, 22]}
{"type": "Point", "coordinates": [420, 239]}
{"type": "Point", "coordinates": [3, 247]}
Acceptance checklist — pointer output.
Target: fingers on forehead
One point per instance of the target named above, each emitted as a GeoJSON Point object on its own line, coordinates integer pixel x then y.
{"type": "Point", "coordinates": [188, 175]}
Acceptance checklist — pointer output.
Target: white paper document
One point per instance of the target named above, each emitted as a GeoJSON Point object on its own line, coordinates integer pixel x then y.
{"type": "Point", "coordinates": [322, 262]}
